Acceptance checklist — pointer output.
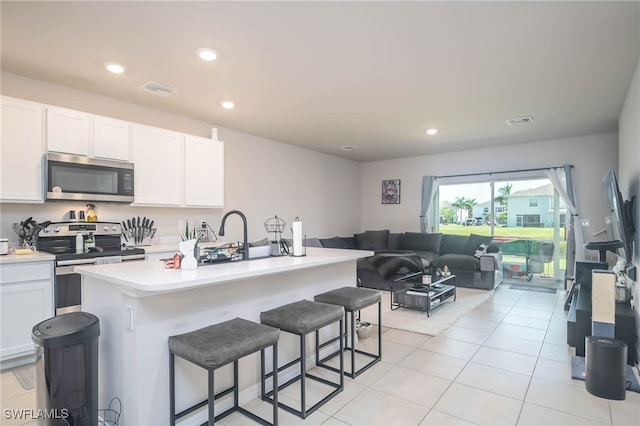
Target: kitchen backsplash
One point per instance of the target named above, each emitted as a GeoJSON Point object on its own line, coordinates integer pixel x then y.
{"type": "Point", "coordinates": [165, 219]}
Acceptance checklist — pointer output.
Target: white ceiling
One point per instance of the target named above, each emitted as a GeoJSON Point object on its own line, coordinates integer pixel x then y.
{"type": "Point", "coordinates": [321, 75]}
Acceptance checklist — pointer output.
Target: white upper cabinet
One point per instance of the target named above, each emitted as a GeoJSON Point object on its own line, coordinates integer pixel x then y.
{"type": "Point", "coordinates": [67, 131]}
{"type": "Point", "coordinates": [158, 157]}
{"type": "Point", "coordinates": [203, 172]}
{"type": "Point", "coordinates": [111, 138]}
{"type": "Point", "coordinates": [21, 151]}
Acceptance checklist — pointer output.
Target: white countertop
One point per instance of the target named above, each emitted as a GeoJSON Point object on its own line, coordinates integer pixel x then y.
{"type": "Point", "coordinates": [149, 277]}
{"type": "Point", "coordinates": [22, 258]}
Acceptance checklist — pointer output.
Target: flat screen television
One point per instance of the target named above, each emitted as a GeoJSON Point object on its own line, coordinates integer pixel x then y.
{"type": "Point", "coordinates": [620, 224]}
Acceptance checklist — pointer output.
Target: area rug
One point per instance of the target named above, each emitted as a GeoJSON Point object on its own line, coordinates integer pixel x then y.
{"type": "Point", "coordinates": [532, 288]}
{"type": "Point", "coordinates": [418, 321]}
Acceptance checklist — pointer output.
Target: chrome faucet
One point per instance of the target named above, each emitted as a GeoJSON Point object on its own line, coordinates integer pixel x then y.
{"type": "Point", "coordinates": [245, 245]}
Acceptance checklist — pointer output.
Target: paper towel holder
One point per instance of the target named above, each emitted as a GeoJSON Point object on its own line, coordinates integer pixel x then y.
{"type": "Point", "coordinates": [304, 248]}
{"type": "Point", "coordinates": [303, 242]}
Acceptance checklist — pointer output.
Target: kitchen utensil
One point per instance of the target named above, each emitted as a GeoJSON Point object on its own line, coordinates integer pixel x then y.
{"type": "Point", "coordinates": [124, 232]}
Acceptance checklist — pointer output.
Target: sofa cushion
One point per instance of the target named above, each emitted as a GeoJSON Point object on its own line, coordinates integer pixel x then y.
{"type": "Point", "coordinates": [372, 240]}
{"type": "Point", "coordinates": [419, 241]}
{"type": "Point", "coordinates": [395, 240]}
{"type": "Point", "coordinates": [474, 241]}
{"type": "Point", "coordinates": [461, 262]}
{"type": "Point", "coordinates": [453, 244]}
{"type": "Point", "coordinates": [310, 242]}
{"type": "Point", "coordinates": [335, 242]}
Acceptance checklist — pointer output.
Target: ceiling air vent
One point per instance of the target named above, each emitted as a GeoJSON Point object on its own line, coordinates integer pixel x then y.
{"type": "Point", "coordinates": [348, 148]}
{"type": "Point", "coordinates": [158, 89]}
{"type": "Point", "coordinates": [520, 120]}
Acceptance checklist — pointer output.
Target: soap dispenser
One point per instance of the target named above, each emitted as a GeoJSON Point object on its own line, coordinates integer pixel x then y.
{"type": "Point", "coordinates": [91, 213]}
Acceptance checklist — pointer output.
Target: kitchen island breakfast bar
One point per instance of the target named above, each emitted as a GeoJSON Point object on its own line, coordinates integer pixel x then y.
{"type": "Point", "coordinates": [141, 304]}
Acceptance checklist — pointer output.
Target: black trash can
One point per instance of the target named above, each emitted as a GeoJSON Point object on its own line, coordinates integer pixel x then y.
{"type": "Point", "coordinates": [67, 368]}
{"type": "Point", "coordinates": [605, 362]}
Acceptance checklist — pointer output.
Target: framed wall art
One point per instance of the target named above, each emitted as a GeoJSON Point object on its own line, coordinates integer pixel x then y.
{"type": "Point", "coordinates": [391, 191]}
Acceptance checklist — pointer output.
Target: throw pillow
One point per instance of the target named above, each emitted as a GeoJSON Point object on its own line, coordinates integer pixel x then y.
{"type": "Point", "coordinates": [335, 242]}
{"type": "Point", "coordinates": [421, 241]}
{"type": "Point", "coordinates": [474, 242]}
{"type": "Point", "coordinates": [262, 242]}
{"type": "Point", "coordinates": [372, 240]}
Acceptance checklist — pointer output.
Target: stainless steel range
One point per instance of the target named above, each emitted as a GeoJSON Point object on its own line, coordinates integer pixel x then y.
{"type": "Point", "coordinates": [81, 243]}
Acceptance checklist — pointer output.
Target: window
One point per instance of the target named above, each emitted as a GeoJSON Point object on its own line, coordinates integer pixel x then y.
{"type": "Point", "coordinates": [533, 202]}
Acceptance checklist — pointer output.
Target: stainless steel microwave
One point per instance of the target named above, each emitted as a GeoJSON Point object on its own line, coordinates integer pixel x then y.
{"type": "Point", "coordinates": [70, 177]}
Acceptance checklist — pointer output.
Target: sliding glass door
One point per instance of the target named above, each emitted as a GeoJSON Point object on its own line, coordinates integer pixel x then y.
{"type": "Point", "coordinates": [525, 216]}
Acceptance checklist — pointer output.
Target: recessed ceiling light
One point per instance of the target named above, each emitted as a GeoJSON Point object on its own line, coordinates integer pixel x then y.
{"type": "Point", "coordinates": [114, 68]}
{"type": "Point", "coordinates": [207, 54]}
{"type": "Point", "coordinates": [432, 131]}
{"type": "Point", "coordinates": [228, 104]}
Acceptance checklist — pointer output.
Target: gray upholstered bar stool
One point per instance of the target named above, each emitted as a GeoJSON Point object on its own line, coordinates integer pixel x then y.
{"type": "Point", "coordinates": [353, 299]}
{"type": "Point", "coordinates": [216, 346]}
{"type": "Point", "coordinates": [301, 318]}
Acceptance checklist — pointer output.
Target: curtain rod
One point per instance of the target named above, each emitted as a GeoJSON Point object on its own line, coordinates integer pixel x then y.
{"type": "Point", "coordinates": [505, 171]}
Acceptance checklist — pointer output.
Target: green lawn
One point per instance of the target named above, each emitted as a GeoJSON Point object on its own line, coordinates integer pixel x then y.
{"type": "Point", "coordinates": [543, 234]}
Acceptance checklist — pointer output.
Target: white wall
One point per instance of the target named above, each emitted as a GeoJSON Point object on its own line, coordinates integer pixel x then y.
{"type": "Point", "coordinates": [262, 177]}
{"type": "Point", "coordinates": [592, 156]}
{"type": "Point", "coordinates": [629, 166]}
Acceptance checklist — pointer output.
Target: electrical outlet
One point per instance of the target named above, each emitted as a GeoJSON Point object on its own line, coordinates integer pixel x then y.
{"type": "Point", "coordinates": [584, 222]}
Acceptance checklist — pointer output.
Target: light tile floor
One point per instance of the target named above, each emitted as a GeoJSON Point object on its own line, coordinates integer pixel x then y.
{"type": "Point", "coordinates": [504, 363]}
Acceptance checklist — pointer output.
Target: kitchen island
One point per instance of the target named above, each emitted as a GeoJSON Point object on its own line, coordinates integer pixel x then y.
{"type": "Point", "coordinates": [141, 304]}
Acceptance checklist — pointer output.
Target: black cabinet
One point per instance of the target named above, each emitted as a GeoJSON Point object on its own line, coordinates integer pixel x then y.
{"type": "Point", "coordinates": [625, 329]}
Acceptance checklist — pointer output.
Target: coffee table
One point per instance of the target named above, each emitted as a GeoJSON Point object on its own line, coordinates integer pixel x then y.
{"type": "Point", "coordinates": [409, 292]}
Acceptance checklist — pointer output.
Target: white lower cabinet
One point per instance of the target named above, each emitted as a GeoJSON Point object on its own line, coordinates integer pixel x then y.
{"type": "Point", "coordinates": [26, 298]}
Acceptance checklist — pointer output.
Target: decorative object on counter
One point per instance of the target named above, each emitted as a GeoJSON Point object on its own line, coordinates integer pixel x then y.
{"type": "Point", "coordinates": [296, 229]}
{"type": "Point", "coordinates": [79, 243]}
{"type": "Point", "coordinates": [138, 231]}
{"type": "Point", "coordinates": [275, 226]}
{"type": "Point", "coordinates": [72, 215]}
{"type": "Point", "coordinates": [4, 246]}
{"type": "Point", "coordinates": [187, 249]}
{"type": "Point", "coordinates": [91, 213]}
{"type": "Point", "coordinates": [28, 230]}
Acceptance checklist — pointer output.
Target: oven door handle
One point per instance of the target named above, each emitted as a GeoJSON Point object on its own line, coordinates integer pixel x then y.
{"type": "Point", "coordinates": [64, 270]}
{"type": "Point", "coordinates": [76, 262]}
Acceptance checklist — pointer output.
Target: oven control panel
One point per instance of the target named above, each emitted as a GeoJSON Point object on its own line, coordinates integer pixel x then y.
{"type": "Point", "coordinates": [61, 229]}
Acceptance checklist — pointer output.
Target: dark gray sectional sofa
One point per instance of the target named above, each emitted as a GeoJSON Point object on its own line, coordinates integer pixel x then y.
{"type": "Point", "coordinates": [474, 259]}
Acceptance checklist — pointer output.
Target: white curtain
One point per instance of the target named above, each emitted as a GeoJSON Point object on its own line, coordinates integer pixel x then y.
{"type": "Point", "coordinates": [429, 189]}
{"type": "Point", "coordinates": [562, 180]}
